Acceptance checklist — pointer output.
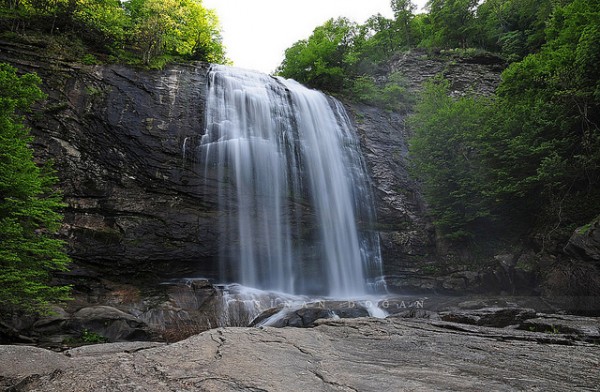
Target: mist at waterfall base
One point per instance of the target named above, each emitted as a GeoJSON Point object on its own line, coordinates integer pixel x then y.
{"type": "Point", "coordinates": [296, 214]}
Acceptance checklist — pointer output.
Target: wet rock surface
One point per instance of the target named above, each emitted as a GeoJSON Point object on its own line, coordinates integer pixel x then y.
{"type": "Point", "coordinates": [406, 235]}
{"type": "Point", "coordinates": [341, 355]}
{"type": "Point", "coordinates": [123, 142]}
{"type": "Point", "coordinates": [305, 316]}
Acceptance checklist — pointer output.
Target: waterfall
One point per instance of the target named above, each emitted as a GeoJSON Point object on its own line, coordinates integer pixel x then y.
{"type": "Point", "coordinates": [295, 204]}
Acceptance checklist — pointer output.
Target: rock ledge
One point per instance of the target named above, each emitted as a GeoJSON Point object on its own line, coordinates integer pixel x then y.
{"type": "Point", "coordinates": [336, 355]}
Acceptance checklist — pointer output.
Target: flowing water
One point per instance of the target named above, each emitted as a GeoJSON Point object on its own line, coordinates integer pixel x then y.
{"type": "Point", "coordinates": [295, 202]}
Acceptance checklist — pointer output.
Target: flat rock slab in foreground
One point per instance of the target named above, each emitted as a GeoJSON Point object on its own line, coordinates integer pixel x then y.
{"type": "Point", "coordinates": [342, 355]}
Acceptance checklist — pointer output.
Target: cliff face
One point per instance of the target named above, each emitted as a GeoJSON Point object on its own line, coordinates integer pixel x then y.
{"type": "Point", "coordinates": [124, 142]}
{"type": "Point", "coordinates": [117, 137]}
{"type": "Point", "coordinates": [479, 74]}
{"type": "Point", "coordinates": [412, 254]}
{"type": "Point", "coordinates": [406, 234]}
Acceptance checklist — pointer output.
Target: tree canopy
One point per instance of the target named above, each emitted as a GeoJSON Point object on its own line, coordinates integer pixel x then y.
{"type": "Point", "coordinates": [534, 151]}
{"type": "Point", "coordinates": [339, 52]}
{"type": "Point", "coordinates": [446, 158]}
{"type": "Point", "coordinates": [527, 158]}
{"type": "Point", "coordinates": [150, 31]}
{"type": "Point", "coordinates": [322, 60]}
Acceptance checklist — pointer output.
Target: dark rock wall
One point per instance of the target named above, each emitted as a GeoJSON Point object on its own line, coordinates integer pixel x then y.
{"type": "Point", "coordinates": [124, 141]}
{"type": "Point", "coordinates": [406, 234]}
{"type": "Point", "coordinates": [411, 252]}
{"type": "Point", "coordinates": [116, 135]}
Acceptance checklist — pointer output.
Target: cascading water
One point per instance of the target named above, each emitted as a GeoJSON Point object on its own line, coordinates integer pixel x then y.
{"type": "Point", "coordinates": [295, 205]}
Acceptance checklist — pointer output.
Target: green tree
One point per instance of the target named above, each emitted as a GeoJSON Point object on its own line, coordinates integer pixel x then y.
{"type": "Point", "coordinates": [444, 152]}
{"type": "Point", "coordinates": [379, 40]}
{"type": "Point", "coordinates": [324, 59]}
{"type": "Point", "coordinates": [391, 95]}
{"type": "Point", "coordinates": [403, 16]}
{"type": "Point", "coordinates": [530, 158]}
{"type": "Point", "coordinates": [545, 140]}
{"type": "Point", "coordinates": [104, 21]}
{"type": "Point", "coordinates": [200, 34]}
{"type": "Point", "coordinates": [175, 27]}
{"type": "Point", "coordinates": [29, 253]}
{"type": "Point", "coordinates": [514, 27]}
{"type": "Point", "coordinates": [452, 22]}
{"type": "Point", "coordinates": [154, 23]}
{"type": "Point", "coordinates": [152, 30]}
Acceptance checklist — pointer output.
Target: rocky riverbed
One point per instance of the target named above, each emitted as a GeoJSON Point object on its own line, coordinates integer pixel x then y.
{"type": "Point", "coordinates": [364, 354]}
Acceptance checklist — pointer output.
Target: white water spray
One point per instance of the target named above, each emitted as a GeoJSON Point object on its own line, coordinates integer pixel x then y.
{"type": "Point", "coordinates": [295, 204]}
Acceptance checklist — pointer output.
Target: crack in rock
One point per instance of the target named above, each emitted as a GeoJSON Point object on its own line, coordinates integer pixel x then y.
{"type": "Point", "coordinates": [333, 383]}
{"type": "Point", "coordinates": [220, 340]}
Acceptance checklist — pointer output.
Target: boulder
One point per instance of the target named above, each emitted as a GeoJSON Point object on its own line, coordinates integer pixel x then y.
{"type": "Point", "coordinates": [305, 315]}
{"type": "Point", "coordinates": [584, 328]}
{"type": "Point", "coordinates": [406, 234]}
{"type": "Point", "coordinates": [584, 244]}
{"type": "Point", "coordinates": [479, 73]}
{"type": "Point", "coordinates": [23, 361]}
{"type": "Point", "coordinates": [123, 141]}
{"type": "Point", "coordinates": [109, 323]}
{"type": "Point", "coordinates": [489, 317]}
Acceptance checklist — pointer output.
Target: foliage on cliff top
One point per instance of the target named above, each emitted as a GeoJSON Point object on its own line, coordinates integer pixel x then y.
{"type": "Point", "coordinates": [29, 252]}
{"type": "Point", "coordinates": [527, 159]}
{"type": "Point", "coordinates": [531, 156]}
{"type": "Point", "coordinates": [341, 54]}
{"type": "Point", "coordinates": [146, 32]}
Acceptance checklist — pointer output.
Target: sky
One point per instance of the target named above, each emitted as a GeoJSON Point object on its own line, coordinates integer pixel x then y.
{"type": "Point", "coordinates": [257, 32]}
